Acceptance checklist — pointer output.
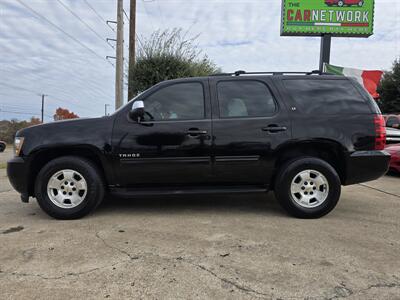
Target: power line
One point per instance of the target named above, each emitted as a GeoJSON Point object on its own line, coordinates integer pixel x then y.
{"type": "Point", "coordinates": [73, 103]}
{"type": "Point", "coordinates": [159, 10]}
{"type": "Point", "coordinates": [98, 15]}
{"type": "Point", "coordinates": [22, 113]}
{"type": "Point", "coordinates": [90, 85]}
{"type": "Point", "coordinates": [148, 15]}
{"type": "Point", "coordinates": [126, 15]}
{"type": "Point", "coordinates": [60, 29]}
{"type": "Point", "coordinates": [19, 88]}
{"type": "Point", "coordinates": [140, 41]}
{"type": "Point", "coordinates": [82, 21]}
{"type": "Point", "coordinates": [20, 108]}
{"type": "Point", "coordinates": [51, 96]}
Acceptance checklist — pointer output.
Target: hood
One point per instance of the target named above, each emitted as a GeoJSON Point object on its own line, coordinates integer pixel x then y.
{"type": "Point", "coordinates": [63, 125]}
{"type": "Point", "coordinates": [76, 132]}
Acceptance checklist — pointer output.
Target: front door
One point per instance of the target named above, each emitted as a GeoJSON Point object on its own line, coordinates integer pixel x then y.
{"type": "Point", "coordinates": [249, 124]}
{"type": "Point", "coordinates": [171, 146]}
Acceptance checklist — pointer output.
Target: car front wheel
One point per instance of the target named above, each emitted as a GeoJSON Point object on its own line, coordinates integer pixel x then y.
{"type": "Point", "coordinates": [308, 187]}
{"type": "Point", "coordinates": [69, 187]}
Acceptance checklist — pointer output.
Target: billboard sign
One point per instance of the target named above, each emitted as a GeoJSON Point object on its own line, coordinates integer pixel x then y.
{"type": "Point", "coordinates": [350, 18]}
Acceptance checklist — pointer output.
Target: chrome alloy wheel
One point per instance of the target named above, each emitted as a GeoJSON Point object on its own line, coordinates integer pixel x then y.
{"type": "Point", "coordinates": [309, 188]}
{"type": "Point", "coordinates": [67, 188]}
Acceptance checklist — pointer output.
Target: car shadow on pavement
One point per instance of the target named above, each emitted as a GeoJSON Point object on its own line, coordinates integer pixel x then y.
{"type": "Point", "coordinates": [393, 174]}
{"type": "Point", "coordinates": [251, 203]}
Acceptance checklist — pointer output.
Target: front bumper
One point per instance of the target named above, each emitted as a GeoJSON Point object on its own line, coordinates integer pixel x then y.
{"type": "Point", "coordinates": [18, 175]}
{"type": "Point", "coordinates": [365, 166]}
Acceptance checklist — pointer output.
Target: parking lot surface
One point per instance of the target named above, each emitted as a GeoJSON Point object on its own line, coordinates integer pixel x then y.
{"type": "Point", "coordinates": [219, 247]}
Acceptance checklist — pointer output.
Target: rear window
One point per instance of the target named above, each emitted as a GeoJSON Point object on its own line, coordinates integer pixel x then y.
{"type": "Point", "coordinates": [326, 96]}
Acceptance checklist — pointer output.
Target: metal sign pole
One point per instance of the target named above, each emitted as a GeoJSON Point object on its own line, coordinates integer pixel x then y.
{"type": "Point", "coordinates": [325, 53]}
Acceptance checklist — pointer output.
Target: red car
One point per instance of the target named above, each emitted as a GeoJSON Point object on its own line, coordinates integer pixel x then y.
{"type": "Point", "coordinates": [394, 151]}
{"type": "Point", "coordinates": [344, 2]}
{"type": "Point", "coordinates": [392, 121]}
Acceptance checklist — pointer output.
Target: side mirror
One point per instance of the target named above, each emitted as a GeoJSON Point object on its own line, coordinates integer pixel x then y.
{"type": "Point", "coordinates": [2, 146]}
{"type": "Point", "coordinates": [137, 111]}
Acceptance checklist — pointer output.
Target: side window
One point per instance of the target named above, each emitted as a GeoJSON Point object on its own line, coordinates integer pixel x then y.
{"type": "Point", "coordinates": [326, 96]}
{"type": "Point", "coordinates": [244, 98]}
{"type": "Point", "coordinates": [181, 101]}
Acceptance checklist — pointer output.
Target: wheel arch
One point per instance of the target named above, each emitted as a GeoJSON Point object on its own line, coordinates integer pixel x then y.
{"type": "Point", "coordinates": [42, 156]}
{"type": "Point", "coordinates": [328, 150]}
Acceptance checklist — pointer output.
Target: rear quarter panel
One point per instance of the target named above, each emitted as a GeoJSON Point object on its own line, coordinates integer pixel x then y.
{"type": "Point", "coordinates": [355, 132]}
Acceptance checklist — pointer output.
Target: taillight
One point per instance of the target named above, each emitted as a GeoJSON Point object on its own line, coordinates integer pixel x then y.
{"type": "Point", "coordinates": [380, 132]}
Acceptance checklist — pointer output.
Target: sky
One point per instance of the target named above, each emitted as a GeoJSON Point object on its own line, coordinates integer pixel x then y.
{"type": "Point", "coordinates": [65, 60]}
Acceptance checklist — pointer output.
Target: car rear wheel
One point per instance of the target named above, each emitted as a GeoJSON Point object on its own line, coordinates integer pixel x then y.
{"type": "Point", "coordinates": [341, 3]}
{"type": "Point", "coordinates": [361, 3]}
{"type": "Point", "coordinates": [69, 187]}
{"type": "Point", "coordinates": [308, 187]}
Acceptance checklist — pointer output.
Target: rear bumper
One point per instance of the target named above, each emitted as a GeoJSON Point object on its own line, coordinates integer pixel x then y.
{"type": "Point", "coordinates": [364, 166]}
{"type": "Point", "coordinates": [17, 171]}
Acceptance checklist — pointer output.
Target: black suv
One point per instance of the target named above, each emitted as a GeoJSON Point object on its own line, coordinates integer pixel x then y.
{"type": "Point", "coordinates": [301, 135]}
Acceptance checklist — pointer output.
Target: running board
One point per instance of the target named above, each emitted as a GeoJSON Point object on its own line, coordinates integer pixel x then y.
{"type": "Point", "coordinates": [140, 191]}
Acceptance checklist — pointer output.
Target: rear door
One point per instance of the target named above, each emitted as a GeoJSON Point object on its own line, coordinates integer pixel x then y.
{"type": "Point", "coordinates": [249, 124]}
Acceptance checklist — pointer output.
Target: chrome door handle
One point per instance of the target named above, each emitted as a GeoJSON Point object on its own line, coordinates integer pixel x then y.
{"type": "Point", "coordinates": [194, 132]}
{"type": "Point", "coordinates": [274, 129]}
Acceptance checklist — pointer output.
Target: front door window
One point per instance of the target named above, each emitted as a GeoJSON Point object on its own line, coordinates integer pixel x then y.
{"type": "Point", "coordinates": [182, 101]}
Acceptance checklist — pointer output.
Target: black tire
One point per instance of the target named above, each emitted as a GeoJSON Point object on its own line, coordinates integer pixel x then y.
{"type": "Point", "coordinates": [95, 187]}
{"type": "Point", "coordinates": [341, 3]}
{"type": "Point", "coordinates": [287, 174]}
{"type": "Point", "coordinates": [361, 3]}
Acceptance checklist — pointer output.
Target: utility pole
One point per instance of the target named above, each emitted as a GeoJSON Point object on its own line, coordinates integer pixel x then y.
{"type": "Point", "coordinates": [132, 46]}
{"type": "Point", "coordinates": [105, 109]}
{"type": "Point", "coordinates": [119, 72]}
{"type": "Point", "coordinates": [43, 95]}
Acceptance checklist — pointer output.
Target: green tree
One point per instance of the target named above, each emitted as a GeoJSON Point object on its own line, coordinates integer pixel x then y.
{"type": "Point", "coordinates": [168, 55]}
{"type": "Point", "coordinates": [389, 90]}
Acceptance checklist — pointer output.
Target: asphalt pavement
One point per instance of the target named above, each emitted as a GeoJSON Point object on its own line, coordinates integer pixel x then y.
{"type": "Point", "coordinates": [197, 247]}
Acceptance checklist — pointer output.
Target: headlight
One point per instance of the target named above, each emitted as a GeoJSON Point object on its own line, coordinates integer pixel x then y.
{"type": "Point", "coordinates": [18, 145]}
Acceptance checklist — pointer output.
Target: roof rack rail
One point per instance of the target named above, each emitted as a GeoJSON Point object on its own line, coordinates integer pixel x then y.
{"type": "Point", "coordinates": [241, 72]}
